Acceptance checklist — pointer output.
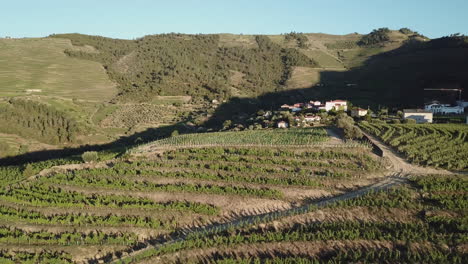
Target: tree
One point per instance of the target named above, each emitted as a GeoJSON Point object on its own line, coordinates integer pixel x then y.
{"type": "Point", "coordinates": [353, 132]}
{"type": "Point", "coordinates": [343, 120]}
{"type": "Point", "coordinates": [346, 123]}
{"type": "Point", "coordinates": [28, 171]}
{"type": "Point", "coordinates": [90, 156]}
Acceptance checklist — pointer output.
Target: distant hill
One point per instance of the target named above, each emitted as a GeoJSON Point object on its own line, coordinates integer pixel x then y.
{"type": "Point", "coordinates": [203, 66]}
{"type": "Point", "coordinates": [384, 67]}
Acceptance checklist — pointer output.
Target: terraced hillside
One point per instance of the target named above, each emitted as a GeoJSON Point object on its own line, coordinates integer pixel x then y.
{"type": "Point", "coordinates": [437, 145]}
{"type": "Point", "coordinates": [423, 221]}
{"type": "Point", "coordinates": [84, 212]}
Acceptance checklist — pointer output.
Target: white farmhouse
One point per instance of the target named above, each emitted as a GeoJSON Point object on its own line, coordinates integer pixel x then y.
{"type": "Point", "coordinates": [420, 115]}
{"type": "Point", "coordinates": [437, 108]}
{"type": "Point", "coordinates": [336, 104]}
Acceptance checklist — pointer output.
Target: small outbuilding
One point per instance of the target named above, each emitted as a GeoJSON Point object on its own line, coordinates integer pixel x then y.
{"type": "Point", "coordinates": [420, 115]}
{"type": "Point", "coordinates": [282, 124]}
{"type": "Point", "coordinates": [358, 112]}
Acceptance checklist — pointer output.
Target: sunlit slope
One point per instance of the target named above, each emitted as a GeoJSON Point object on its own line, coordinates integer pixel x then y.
{"type": "Point", "coordinates": [39, 66]}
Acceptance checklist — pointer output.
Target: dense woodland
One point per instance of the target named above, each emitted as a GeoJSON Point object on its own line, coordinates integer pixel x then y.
{"type": "Point", "coordinates": [31, 119]}
{"type": "Point", "coordinates": [196, 65]}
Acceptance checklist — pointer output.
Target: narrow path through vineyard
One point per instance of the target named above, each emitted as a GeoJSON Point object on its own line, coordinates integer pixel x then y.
{"type": "Point", "coordinates": [399, 164]}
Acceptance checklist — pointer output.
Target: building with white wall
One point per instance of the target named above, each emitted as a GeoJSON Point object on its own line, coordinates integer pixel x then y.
{"type": "Point", "coordinates": [337, 105]}
{"type": "Point", "coordinates": [420, 115]}
{"type": "Point", "coordinates": [444, 109]}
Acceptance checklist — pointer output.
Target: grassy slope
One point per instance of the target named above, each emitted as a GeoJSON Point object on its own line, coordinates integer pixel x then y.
{"type": "Point", "coordinates": [27, 64]}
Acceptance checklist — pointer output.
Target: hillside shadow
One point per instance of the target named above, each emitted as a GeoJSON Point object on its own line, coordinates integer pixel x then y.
{"type": "Point", "coordinates": [119, 145]}
{"type": "Point", "coordinates": [395, 79]}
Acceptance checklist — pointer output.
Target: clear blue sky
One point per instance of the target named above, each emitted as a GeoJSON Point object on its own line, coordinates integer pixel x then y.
{"type": "Point", "coordinates": [136, 18]}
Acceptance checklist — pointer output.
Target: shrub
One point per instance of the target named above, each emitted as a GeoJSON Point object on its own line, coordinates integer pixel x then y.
{"type": "Point", "coordinates": [175, 133]}
{"type": "Point", "coordinates": [90, 156]}
{"type": "Point", "coordinates": [28, 171]}
{"type": "Point", "coordinates": [227, 124]}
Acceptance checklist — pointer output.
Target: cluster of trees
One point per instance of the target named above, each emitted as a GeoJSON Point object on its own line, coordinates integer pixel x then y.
{"type": "Point", "coordinates": [196, 65]}
{"type": "Point", "coordinates": [346, 123]}
{"type": "Point", "coordinates": [32, 119]}
{"type": "Point", "coordinates": [411, 33]}
{"type": "Point", "coordinates": [300, 38]}
{"type": "Point", "coordinates": [377, 36]}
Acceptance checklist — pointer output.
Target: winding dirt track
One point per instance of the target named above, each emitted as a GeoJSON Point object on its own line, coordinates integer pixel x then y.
{"type": "Point", "coordinates": [399, 164]}
{"type": "Point", "coordinates": [386, 183]}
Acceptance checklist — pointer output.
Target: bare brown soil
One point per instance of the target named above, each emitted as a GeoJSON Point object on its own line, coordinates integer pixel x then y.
{"type": "Point", "coordinates": [230, 204]}
{"type": "Point", "coordinates": [143, 233]}
{"type": "Point", "coordinates": [298, 248]}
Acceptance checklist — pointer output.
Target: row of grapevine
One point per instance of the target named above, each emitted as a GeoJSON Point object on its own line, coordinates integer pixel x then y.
{"type": "Point", "coordinates": [19, 236]}
{"type": "Point", "coordinates": [34, 217]}
{"type": "Point", "coordinates": [40, 194]}
{"type": "Point", "coordinates": [272, 137]}
{"type": "Point", "coordinates": [438, 145]}
{"type": "Point", "coordinates": [135, 185]}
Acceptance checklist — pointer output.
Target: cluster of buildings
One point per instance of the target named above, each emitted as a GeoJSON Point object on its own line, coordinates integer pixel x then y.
{"type": "Point", "coordinates": [419, 115]}
{"type": "Point", "coordinates": [306, 120]}
{"type": "Point", "coordinates": [444, 109]}
{"type": "Point", "coordinates": [311, 105]}
{"type": "Point", "coordinates": [426, 115]}
{"type": "Point", "coordinates": [317, 105]}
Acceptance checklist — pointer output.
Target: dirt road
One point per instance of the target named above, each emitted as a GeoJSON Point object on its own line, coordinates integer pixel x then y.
{"type": "Point", "coordinates": [399, 164]}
